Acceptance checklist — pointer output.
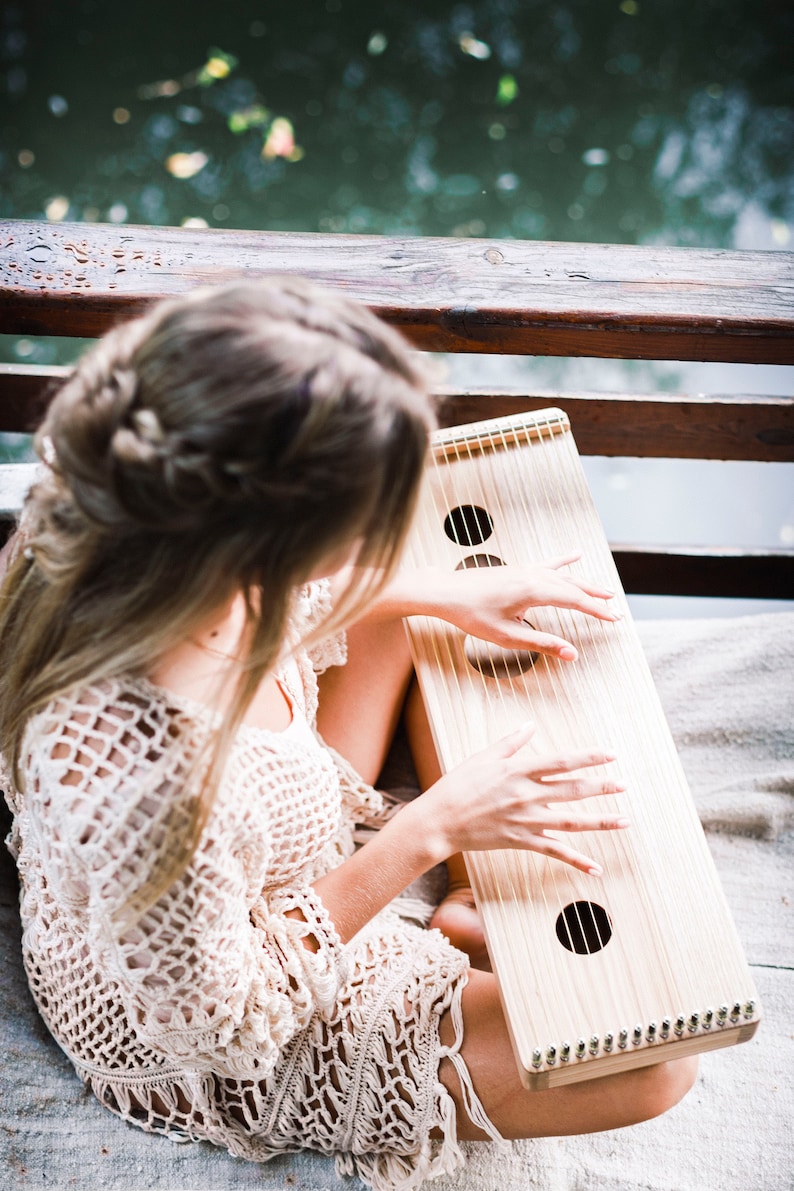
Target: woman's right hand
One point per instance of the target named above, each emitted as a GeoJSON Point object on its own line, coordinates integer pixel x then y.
{"type": "Point", "coordinates": [506, 797]}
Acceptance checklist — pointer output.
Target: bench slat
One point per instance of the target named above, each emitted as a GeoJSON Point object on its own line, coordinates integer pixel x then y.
{"type": "Point", "coordinates": [653, 426]}
{"type": "Point", "coordinates": [462, 295]}
{"type": "Point", "coordinates": [691, 571]}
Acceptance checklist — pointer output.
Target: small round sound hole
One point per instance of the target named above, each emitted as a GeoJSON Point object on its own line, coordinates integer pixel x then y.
{"type": "Point", "coordinates": [584, 927]}
{"type": "Point", "coordinates": [472, 561]}
{"type": "Point", "coordinates": [468, 525]}
{"type": "Point", "coordinates": [493, 661]}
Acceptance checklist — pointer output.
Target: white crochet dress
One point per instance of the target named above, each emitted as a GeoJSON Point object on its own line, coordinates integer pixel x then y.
{"type": "Point", "coordinates": [210, 1019]}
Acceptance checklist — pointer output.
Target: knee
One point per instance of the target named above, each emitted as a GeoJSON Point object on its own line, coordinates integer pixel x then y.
{"type": "Point", "coordinates": [663, 1086]}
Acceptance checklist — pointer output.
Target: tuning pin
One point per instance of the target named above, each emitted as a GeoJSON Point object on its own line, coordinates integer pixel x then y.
{"type": "Point", "coordinates": [749, 1009]}
{"type": "Point", "coordinates": [665, 1030]}
{"type": "Point", "coordinates": [551, 1055]}
{"type": "Point", "coordinates": [680, 1022]}
{"type": "Point", "coordinates": [708, 1019]}
{"type": "Point", "coordinates": [581, 1048]}
{"type": "Point", "coordinates": [736, 1011]}
{"type": "Point", "coordinates": [636, 1037]}
{"type": "Point", "coordinates": [594, 1044]}
{"type": "Point", "coordinates": [609, 1042]}
{"type": "Point", "coordinates": [651, 1035]}
{"type": "Point", "coordinates": [623, 1038]}
{"type": "Point", "coordinates": [537, 1057]}
{"type": "Point", "coordinates": [722, 1015]}
{"type": "Point", "coordinates": [565, 1053]}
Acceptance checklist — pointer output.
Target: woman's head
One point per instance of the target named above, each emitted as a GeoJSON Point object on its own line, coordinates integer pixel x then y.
{"type": "Point", "coordinates": [232, 440]}
{"type": "Point", "coordinates": [245, 432]}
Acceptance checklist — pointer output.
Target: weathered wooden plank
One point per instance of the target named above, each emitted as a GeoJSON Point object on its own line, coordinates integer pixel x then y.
{"type": "Point", "coordinates": [506, 296]}
{"type": "Point", "coordinates": [24, 393]}
{"type": "Point", "coordinates": [692, 571]}
{"type": "Point", "coordinates": [654, 426]}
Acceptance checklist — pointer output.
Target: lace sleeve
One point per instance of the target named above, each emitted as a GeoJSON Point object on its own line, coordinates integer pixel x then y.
{"type": "Point", "coordinates": [216, 972]}
{"type": "Point", "coordinates": [313, 606]}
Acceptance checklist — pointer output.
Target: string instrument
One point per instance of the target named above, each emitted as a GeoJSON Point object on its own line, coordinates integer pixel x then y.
{"type": "Point", "coordinates": [596, 974]}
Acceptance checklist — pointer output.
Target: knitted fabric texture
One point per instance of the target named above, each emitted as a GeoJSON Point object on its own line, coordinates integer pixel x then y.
{"type": "Point", "coordinates": [209, 1018]}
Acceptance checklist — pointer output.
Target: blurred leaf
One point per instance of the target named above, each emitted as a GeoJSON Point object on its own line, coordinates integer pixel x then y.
{"type": "Point", "coordinates": [186, 165]}
{"type": "Point", "coordinates": [377, 44]}
{"type": "Point", "coordinates": [507, 90]}
{"type": "Point", "coordinates": [219, 65]}
{"type": "Point", "coordinates": [280, 141]}
{"type": "Point", "coordinates": [165, 87]}
{"type": "Point", "coordinates": [474, 47]}
{"type": "Point", "coordinates": [252, 117]}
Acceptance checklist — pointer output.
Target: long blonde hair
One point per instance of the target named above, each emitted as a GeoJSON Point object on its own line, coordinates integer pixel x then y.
{"type": "Point", "coordinates": [226, 441]}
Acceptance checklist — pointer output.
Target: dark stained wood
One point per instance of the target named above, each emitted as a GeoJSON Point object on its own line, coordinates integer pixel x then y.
{"type": "Point", "coordinates": [507, 296]}
{"type": "Point", "coordinates": [690, 571]}
{"type": "Point", "coordinates": [657, 426]}
{"type": "Point", "coordinates": [24, 393]}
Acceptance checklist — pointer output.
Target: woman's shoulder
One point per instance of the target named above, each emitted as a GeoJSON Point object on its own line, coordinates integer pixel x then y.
{"type": "Point", "coordinates": [109, 723]}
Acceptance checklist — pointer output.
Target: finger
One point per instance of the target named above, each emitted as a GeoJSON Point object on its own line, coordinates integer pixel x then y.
{"type": "Point", "coordinates": [592, 604]}
{"type": "Point", "coordinates": [541, 767]}
{"type": "Point", "coordinates": [554, 564]}
{"type": "Point", "coordinates": [546, 643]}
{"type": "Point", "coordinates": [557, 850]}
{"type": "Point", "coordinates": [597, 822]}
{"type": "Point", "coordinates": [589, 586]}
{"type": "Point", "coordinates": [510, 744]}
{"type": "Point", "coordinates": [579, 788]}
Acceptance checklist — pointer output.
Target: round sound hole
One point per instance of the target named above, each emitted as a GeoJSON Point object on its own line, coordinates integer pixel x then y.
{"type": "Point", "coordinates": [472, 561]}
{"type": "Point", "coordinates": [584, 927]}
{"type": "Point", "coordinates": [493, 661]}
{"type": "Point", "coordinates": [468, 525]}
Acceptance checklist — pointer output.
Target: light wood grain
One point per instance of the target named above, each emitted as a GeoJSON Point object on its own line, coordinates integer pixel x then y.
{"type": "Point", "coordinates": [673, 948]}
{"type": "Point", "coordinates": [462, 295]}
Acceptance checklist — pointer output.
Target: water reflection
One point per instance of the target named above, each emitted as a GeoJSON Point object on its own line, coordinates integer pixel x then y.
{"type": "Point", "coordinates": [615, 122]}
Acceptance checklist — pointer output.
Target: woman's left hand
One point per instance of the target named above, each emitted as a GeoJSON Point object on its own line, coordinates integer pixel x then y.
{"type": "Point", "coordinates": [492, 603]}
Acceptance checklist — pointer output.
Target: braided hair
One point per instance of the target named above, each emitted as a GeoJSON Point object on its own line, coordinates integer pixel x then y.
{"type": "Point", "coordinates": [227, 441]}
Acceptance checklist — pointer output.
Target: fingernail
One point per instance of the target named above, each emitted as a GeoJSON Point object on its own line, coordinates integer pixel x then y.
{"type": "Point", "coordinates": [622, 823]}
{"type": "Point", "coordinates": [596, 871]}
{"type": "Point", "coordinates": [568, 653]}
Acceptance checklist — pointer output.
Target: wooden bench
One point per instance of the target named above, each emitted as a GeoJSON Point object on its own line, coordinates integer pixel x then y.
{"type": "Point", "coordinates": [517, 297]}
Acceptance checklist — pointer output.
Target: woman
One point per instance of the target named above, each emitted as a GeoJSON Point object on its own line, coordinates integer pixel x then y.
{"type": "Point", "coordinates": [229, 480]}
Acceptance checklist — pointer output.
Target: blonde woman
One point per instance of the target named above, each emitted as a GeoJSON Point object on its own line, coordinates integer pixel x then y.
{"type": "Point", "coordinates": [228, 481]}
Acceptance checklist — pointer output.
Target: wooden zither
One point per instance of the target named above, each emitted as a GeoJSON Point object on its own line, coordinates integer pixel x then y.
{"type": "Point", "coordinates": [597, 974]}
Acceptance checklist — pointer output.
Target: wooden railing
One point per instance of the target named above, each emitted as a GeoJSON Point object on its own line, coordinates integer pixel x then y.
{"type": "Point", "coordinates": [514, 297]}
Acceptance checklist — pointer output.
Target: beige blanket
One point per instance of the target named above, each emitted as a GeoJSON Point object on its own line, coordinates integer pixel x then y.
{"type": "Point", "coordinates": [728, 689]}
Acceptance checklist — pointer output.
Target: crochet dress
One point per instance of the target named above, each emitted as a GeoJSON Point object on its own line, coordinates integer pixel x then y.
{"type": "Point", "coordinates": [209, 1018]}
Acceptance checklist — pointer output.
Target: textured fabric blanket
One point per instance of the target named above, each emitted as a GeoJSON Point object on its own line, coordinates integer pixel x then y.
{"type": "Point", "coordinates": [728, 690]}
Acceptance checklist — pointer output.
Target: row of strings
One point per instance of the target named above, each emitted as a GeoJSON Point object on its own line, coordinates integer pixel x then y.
{"type": "Point", "coordinates": [539, 505]}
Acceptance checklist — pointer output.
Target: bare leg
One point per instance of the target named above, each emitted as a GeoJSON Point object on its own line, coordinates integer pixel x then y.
{"type": "Point", "coordinates": [361, 703]}
{"type": "Point", "coordinates": [589, 1107]}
